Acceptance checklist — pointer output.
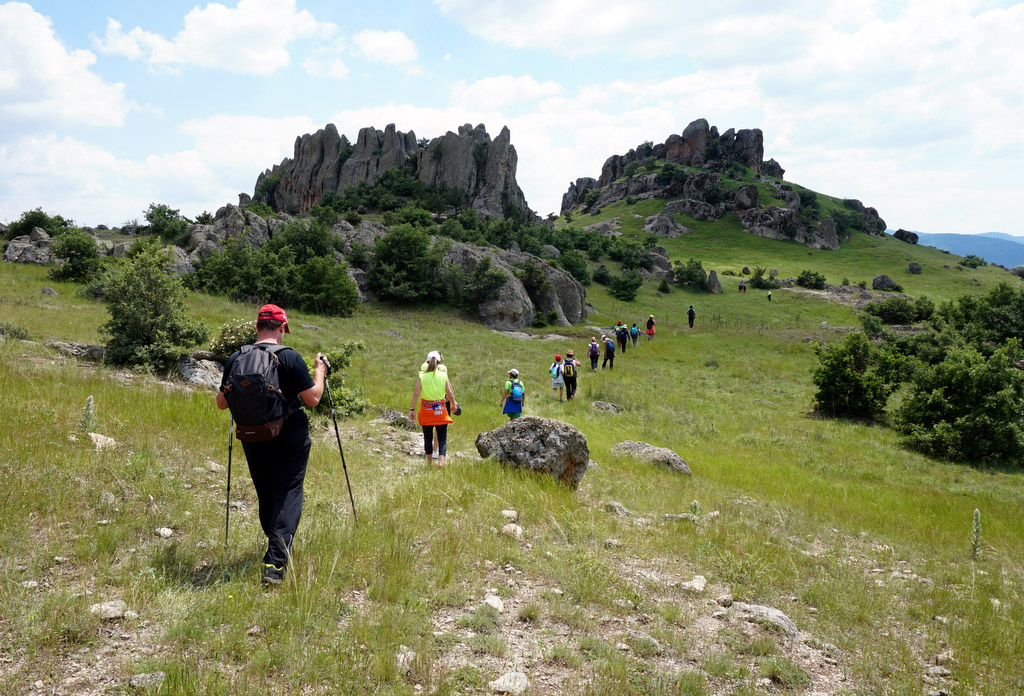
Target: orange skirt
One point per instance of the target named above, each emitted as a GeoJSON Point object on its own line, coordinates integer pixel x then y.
{"type": "Point", "coordinates": [433, 413]}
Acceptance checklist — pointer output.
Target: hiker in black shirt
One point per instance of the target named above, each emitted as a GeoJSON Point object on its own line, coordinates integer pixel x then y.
{"type": "Point", "coordinates": [691, 313]}
{"type": "Point", "coordinates": [278, 466]}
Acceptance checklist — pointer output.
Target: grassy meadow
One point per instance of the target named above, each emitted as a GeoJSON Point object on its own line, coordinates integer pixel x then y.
{"type": "Point", "coordinates": [863, 543]}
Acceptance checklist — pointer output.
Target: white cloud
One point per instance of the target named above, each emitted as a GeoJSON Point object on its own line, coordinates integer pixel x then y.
{"type": "Point", "coordinates": [502, 91]}
{"type": "Point", "coordinates": [251, 38]}
{"type": "Point", "coordinates": [326, 67]}
{"type": "Point", "coordinates": [92, 186]}
{"type": "Point", "coordinates": [44, 83]}
{"type": "Point", "coordinates": [388, 47]}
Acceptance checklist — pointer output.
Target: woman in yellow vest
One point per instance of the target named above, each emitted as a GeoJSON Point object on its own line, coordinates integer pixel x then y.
{"type": "Point", "coordinates": [432, 387]}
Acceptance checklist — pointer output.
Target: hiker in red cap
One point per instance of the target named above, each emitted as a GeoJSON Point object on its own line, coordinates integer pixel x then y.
{"type": "Point", "coordinates": [557, 379]}
{"type": "Point", "coordinates": [277, 451]}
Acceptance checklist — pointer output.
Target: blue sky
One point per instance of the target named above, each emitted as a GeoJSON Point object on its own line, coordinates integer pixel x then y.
{"type": "Point", "coordinates": [915, 108]}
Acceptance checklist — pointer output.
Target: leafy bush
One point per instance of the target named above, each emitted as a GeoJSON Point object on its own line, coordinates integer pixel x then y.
{"type": "Point", "coordinates": [53, 225]}
{"type": "Point", "coordinates": [631, 169]}
{"type": "Point", "coordinates": [231, 336]}
{"type": "Point", "coordinates": [759, 282]}
{"type": "Point", "coordinates": [410, 215]}
{"type": "Point", "coordinates": [260, 208]}
{"type": "Point", "coordinates": [469, 293]}
{"type": "Point", "coordinates": [987, 321]}
{"type": "Point", "coordinates": [630, 253]}
{"type": "Point", "coordinates": [811, 279]}
{"type": "Point", "coordinates": [625, 286]}
{"type": "Point", "coordinates": [81, 256]}
{"type": "Point", "coordinates": [968, 407]}
{"type": "Point", "coordinates": [924, 308]}
{"type": "Point", "coordinates": [11, 332]}
{"type": "Point", "coordinates": [663, 287]}
{"type": "Point", "coordinates": [405, 265]}
{"type": "Point", "coordinates": [872, 326]}
{"type": "Point", "coordinates": [204, 218]}
{"type": "Point", "coordinates": [348, 401]}
{"type": "Point", "coordinates": [973, 261]}
{"type": "Point", "coordinates": [591, 198]}
{"type": "Point", "coordinates": [691, 275]}
{"type": "Point", "coordinates": [894, 310]}
{"type": "Point", "coordinates": [671, 173]}
{"type": "Point", "coordinates": [848, 381]}
{"type": "Point", "coordinates": [602, 275]}
{"type": "Point", "coordinates": [714, 195]}
{"type": "Point", "coordinates": [148, 325]}
{"type": "Point", "coordinates": [265, 189]}
{"type": "Point", "coordinates": [352, 217]}
{"type": "Point", "coordinates": [576, 264]}
{"type": "Point", "coordinates": [167, 222]}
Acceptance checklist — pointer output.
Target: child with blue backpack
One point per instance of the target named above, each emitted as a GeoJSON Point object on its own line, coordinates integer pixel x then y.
{"type": "Point", "coordinates": [513, 395]}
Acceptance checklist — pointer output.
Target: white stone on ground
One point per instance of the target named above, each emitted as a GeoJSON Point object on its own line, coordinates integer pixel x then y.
{"type": "Point", "coordinates": [102, 442]}
{"type": "Point", "coordinates": [513, 683]}
{"type": "Point", "coordinates": [512, 530]}
{"type": "Point", "coordinates": [758, 612]}
{"type": "Point", "coordinates": [165, 532]}
{"type": "Point", "coordinates": [144, 681]}
{"type": "Point", "coordinates": [495, 602]}
{"type": "Point", "coordinates": [404, 659]}
{"type": "Point", "coordinates": [696, 585]}
{"type": "Point", "coordinates": [107, 611]}
{"type": "Point", "coordinates": [510, 515]}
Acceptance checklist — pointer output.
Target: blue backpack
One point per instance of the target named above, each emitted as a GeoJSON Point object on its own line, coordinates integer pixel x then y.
{"type": "Point", "coordinates": [517, 391]}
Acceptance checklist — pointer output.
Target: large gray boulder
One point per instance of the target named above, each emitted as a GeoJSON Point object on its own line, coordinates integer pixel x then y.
{"type": "Point", "coordinates": [664, 224]}
{"type": "Point", "coordinates": [773, 168]}
{"type": "Point", "coordinates": [85, 351]}
{"type": "Point", "coordinates": [202, 373]}
{"type": "Point", "coordinates": [691, 147]}
{"type": "Point", "coordinates": [543, 445]}
{"type": "Point", "coordinates": [714, 285]}
{"type": "Point", "coordinates": [509, 307]}
{"type": "Point", "coordinates": [824, 236]}
{"type": "Point", "coordinates": [31, 248]}
{"type": "Point", "coordinates": [915, 268]}
{"type": "Point", "coordinates": [746, 197]}
{"type": "Point", "coordinates": [566, 298]}
{"type": "Point", "coordinates": [660, 456]}
{"type": "Point", "coordinates": [883, 282]}
{"type": "Point", "coordinates": [906, 236]}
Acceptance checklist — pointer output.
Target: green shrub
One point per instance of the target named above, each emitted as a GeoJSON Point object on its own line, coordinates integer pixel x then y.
{"type": "Point", "coordinates": [204, 218]}
{"type": "Point", "coordinates": [12, 333]}
{"type": "Point", "coordinates": [348, 401]}
{"type": "Point", "coordinates": [968, 407]}
{"type": "Point", "coordinates": [759, 282]}
{"type": "Point", "coordinates": [848, 381]}
{"type": "Point", "coordinates": [691, 275]}
{"type": "Point", "coordinates": [631, 169]}
{"type": "Point", "coordinates": [81, 256]}
{"type": "Point", "coordinates": [468, 293]}
{"type": "Point", "coordinates": [625, 286]}
{"type": "Point", "coordinates": [352, 217]}
{"type": "Point", "coordinates": [262, 209]}
{"type": "Point", "coordinates": [405, 265]}
{"type": "Point", "coordinates": [167, 222]}
{"type": "Point", "coordinates": [576, 264]}
{"type": "Point", "coordinates": [663, 286]}
{"type": "Point", "coordinates": [924, 308]}
{"type": "Point", "coordinates": [893, 310]}
{"type": "Point", "coordinates": [602, 275]}
{"type": "Point", "coordinates": [811, 279]}
{"type": "Point", "coordinates": [148, 324]}
{"type": "Point", "coordinates": [591, 198]}
{"type": "Point", "coordinates": [231, 336]}
{"type": "Point", "coordinates": [53, 225]}
{"type": "Point", "coordinates": [862, 284]}
{"type": "Point", "coordinates": [973, 261]}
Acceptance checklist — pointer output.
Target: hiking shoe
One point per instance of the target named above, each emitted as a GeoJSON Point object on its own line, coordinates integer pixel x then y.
{"type": "Point", "coordinates": [272, 574]}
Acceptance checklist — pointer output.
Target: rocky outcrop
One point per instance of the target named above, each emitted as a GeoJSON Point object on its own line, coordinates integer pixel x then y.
{"type": "Point", "coordinates": [714, 285]}
{"type": "Point", "coordinates": [773, 168]}
{"type": "Point", "coordinates": [660, 456]}
{"type": "Point", "coordinates": [542, 445]}
{"type": "Point", "coordinates": [745, 146]}
{"type": "Point", "coordinates": [566, 298]}
{"type": "Point", "coordinates": [905, 236]}
{"type": "Point", "coordinates": [202, 373]}
{"type": "Point", "coordinates": [782, 223]}
{"type": "Point", "coordinates": [664, 225]}
{"type": "Point", "coordinates": [325, 161]}
{"type": "Point", "coordinates": [661, 266]}
{"type": "Point", "coordinates": [578, 191]}
{"type": "Point", "coordinates": [874, 225]}
{"type": "Point", "coordinates": [746, 197]}
{"type": "Point", "coordinates": [31, 248]}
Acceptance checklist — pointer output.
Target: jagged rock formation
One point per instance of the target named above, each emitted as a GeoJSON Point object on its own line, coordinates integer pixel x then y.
{"type": "Point", "coordinates": [326, 161]}
{"type": "Point", "coordinates": [702, 195]}
{"type": "Point", "coordinates": [30, 248]}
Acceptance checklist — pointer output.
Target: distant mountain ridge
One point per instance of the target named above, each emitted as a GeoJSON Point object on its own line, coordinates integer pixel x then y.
{"type": "Point", "coordinates": [995, 247]}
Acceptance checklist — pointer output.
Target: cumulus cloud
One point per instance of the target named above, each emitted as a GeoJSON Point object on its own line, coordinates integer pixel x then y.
{"type": "Point", "coordinates": [251, 38]}
{"type": "Point", "coordinates": [388, 47]}
{"type": "Point", "coordinates": [44, 83]}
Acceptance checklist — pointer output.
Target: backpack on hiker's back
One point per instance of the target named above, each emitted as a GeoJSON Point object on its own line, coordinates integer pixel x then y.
{"type": "Point", "coordinates": [569, 369]}
{"type": "Point", "coordinates": [555, 370]}
{"type": "Point", "coordinates": [517, 391]}
{"type": "Point", "coordinates": [252, 389]}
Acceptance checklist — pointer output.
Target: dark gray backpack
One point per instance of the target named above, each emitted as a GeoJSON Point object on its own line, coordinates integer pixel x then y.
{"type": "Point", "coordinates": [253, 392]}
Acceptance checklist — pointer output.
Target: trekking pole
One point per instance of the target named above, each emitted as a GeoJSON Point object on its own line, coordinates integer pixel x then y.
{"type": "Point", "coordinates": [227, 501]}
{"type": "Point", "coordinates": [337, 435]}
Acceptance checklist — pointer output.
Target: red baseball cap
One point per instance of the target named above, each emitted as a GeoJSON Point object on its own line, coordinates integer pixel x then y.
{"type": "Point", "coordinates": [274, 313]}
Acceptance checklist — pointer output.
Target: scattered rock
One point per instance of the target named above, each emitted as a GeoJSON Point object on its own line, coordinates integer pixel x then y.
{"type": "Point", "coordinates": [146, 681]}
{"type": "Point", "coordinates": [108, 611]}
{"type": "Point", "coordinates": [512, 530]}
{"type": "Point", "coordinates": [102, 442]}
{"type": "Point", "coordinates": [84, 351]}
{"type": "Point", "coordinates": [495, 603]}
{"type": "Point", "coordinates": [543, 445]}
{"type": "Point", "coordinates": [883, 282]}
{"type": "Point", "coordinates": [254, 631]}
{"type": "Point", "coordinates": [405, 659]}
{"type": "Point", "coordinates": [29, 584]}
{"type": "Point", "coordinates": [606, 406]}
{"type": "Point", "coordinates": [696, 585]}
{"type": "Point", "coordinates": [612, 544]}
{"type": "Point", "coordinates": [203, 373]}
{"type": "Point", "coordinates": [107, 499]}
{"type": "Point", "coordinates": [724, 600]}
{"type": "Point", "coordinates": [660, 456]}
{"type": "Point", "coordinates": [938, 671]}
{"type": "Point", "coordinates": [906, 236]}
{"type": "Point", "coordinates": [49, 291]}
{"type": "Point", "coordinates": [513, 683]}
{"type": "Point", "coordinates": [616, 508]}
{"type": "Point", "coordinates": [396, 419]}
{"type": "Point", "coordinates": [915, 268]}
{"type": "Point", "coordinates": [714, 285]}
{"type": "Point", "coordinates": [510, 515]}
{"type": "Point", "coordinates": [759, 612]}
{"type": "Point", "coordinates": [60, 559]}
{"type": "Point", "coordinates": [642, 637]}
{"type": "Point", "coordinates": [164, 532]}
{"type": "Point", "coordinates": [624, 604]}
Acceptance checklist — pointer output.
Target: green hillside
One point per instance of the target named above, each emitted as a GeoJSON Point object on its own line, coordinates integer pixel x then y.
{"type": "Point", "coordinates": [860, 541]}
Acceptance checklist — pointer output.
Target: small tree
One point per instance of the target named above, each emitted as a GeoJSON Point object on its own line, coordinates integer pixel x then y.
{"type": "Point", "coordinates": [691, 275]}
{"type": "Point", "coordinates": [405, 265]}
{"type": "Point", "coordinates": [576, 264]}
{"type": "Point", "coordinates": [167, 222]}
{"type": "Point", "coordinates": [148, 324]}
{"type": "Point", "coordinates": [811, 279]}
{"type": "Point", "coordinates": [893, 310]}
{"type": "Point", "coordinates": [625, 286]}
{"type": "Point", "coordinates": [602, 275]}
{"type": "Point", "coordinates": [759, 282]}
{"type": "Point", "coordinates": [30, 219]}
{"type": "Point", "coordinates": [81, 256]}
{"type": "Point", "coordinates": [848, 382]}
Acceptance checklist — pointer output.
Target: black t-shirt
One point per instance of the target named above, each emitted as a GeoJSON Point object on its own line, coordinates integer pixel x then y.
{"type": "Point", "coordinates": [294, 376]}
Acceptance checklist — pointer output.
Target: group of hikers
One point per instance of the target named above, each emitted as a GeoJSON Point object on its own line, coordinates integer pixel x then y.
{"type": "Point", "coordinates": [266, 385]}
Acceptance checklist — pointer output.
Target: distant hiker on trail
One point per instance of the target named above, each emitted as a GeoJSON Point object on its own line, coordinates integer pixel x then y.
{"type": "Point", "coordinates": [622, 334]}
{"type": "Point", "coordinates": [594, 351]}
{"type": "Point", "coordinates": [609, 353]}
{"type": "Point", "coordinates": [277, 448]}
{"type": "Point", "coordinates": [513, 396]}
{"type": "Point", "coordinates": [441, 368]}
{"type": "Point", "coordinates": [741, 286]}
{"type": "Point", "coordinates": [430, 393]}
{"type": "Point", "coordinates": [769, 295]}
{"type": "Point", "coordinates": [634, 333]}
{"type": "Point", "coordinates": [650, 327]}
{"type": "Point", "coordinates": [691, 314]}
{"type": "Point", "coordinates": [569, 374]}
{"type": "Point", "coordinates": [557, 378]}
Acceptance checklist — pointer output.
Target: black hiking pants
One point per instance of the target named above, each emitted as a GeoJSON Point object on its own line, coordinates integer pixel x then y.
{"type": "Point", "coordinates": [570, 387]}
{"type": "Point", "coordinates": [442, 439]}
{"type": "Point", "coordinates": [691, 321]}
{"type": "Point", "coordinates": [593, 362]}
{"type": "Point", "coordinates": [278, 469]}
{"type": "Point", "coordinates": [609, 360]}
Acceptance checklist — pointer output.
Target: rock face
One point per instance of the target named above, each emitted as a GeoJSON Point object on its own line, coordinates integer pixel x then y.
{"type": "Point", "coordinates": [203, 373]}
{"type": "Point", "coordinates": [542, 445]}
{"type": "Point", "coordinates": [326, 161]}
{"type": "Point", "coordinates": [905, 236]}
{"type": "Point", "coordinates": [30, 248]}
{"type": "Point", "coordinates": [773, 168]}
{"type": "Point", "coordinates": [883, 282]}
{"type": "Point", "coordinates": [660, 456]}
{"type": "Point", "coordinates": [578, 190]}
{"type": "Point", "coordinates": [664, 225]}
